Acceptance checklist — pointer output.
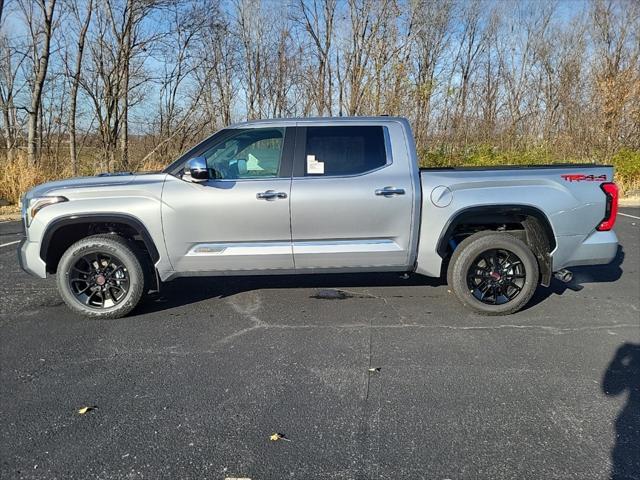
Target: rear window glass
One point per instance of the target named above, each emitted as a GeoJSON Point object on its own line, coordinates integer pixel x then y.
{"type": "Point", "coordinates": [347, 150]}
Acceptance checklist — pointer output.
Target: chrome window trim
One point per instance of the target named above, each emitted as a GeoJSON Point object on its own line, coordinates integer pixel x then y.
{"type": "Point", "coordinates": [229, 180]}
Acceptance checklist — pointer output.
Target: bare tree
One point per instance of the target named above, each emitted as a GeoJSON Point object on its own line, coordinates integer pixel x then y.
{"type": "Point", "coordinates": [217, 68]}
{"type": "Point", "coordinates": [117, 45]}
{"type": "Point", "coordinates": [39, 18]}
{"type": "Point", "coordinates": [471, 42]}
{"type": "Point", "coordinates": [317, 19]}
{"type": "Point", "coordinates": [432, 19]}
{"type": "Point", "coordinates": [10, 61]}
{"type": "Point", "coordinates": [368, 19]}
{"type": "Point", "coordinates": [283, 63]}
{"type": "Point", "coordinates": [178, 64]}
{"type": "Point", "coordinates": [144, 79]}
{"type": "Point", "coordinates": [616, 67]}
{"type": "Point", "coordinates": [489, 83]}
{"type": "Point", "coordinates": [251, 32]}
{"type": "Point", "coordinates": [125, 26]}
{"type": "Point", "coordinates": [75, 80]}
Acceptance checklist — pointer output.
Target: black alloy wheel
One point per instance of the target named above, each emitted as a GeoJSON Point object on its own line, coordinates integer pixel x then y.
{"type": "Point", "coordinates": [99, 280]}
{"type": "Point", "coordinates": [496, 277]}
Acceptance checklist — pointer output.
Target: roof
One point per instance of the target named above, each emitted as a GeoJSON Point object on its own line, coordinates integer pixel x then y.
{"type": "Point", "coordinates": [307, 120]}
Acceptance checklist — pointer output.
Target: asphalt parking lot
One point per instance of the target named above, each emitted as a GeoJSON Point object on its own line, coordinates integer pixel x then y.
{"type": "Point", "coordinates": [193, 384]}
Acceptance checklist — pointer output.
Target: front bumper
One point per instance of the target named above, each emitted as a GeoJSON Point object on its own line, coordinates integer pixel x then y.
{"type": "Point", "coordinates": [29, 258]}
{"type": "Point", "coordinates": [598, 248]}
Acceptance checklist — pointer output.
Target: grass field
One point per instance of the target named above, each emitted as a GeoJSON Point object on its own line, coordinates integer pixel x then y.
{"type": "Point", "coordinates": [17, 176]}
{"type": "Point", "coordinates": [626, 162]}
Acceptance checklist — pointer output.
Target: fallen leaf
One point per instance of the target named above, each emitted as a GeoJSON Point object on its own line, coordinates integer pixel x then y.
{"type": "Point", "coordinates": [278, 436]}
{"type": "Point", "coordinates": [84, 410]}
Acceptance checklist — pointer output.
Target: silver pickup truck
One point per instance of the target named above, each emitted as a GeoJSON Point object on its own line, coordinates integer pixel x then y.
{"type": "Point", "coordinates": [316, 196]}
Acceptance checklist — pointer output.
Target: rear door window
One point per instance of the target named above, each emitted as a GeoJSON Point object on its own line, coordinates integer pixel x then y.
{"type": "Point", "coordinates": [344, 150]}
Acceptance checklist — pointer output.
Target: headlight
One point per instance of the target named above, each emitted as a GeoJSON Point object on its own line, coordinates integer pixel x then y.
{"type": "Point", "coordinates": [38, 203]}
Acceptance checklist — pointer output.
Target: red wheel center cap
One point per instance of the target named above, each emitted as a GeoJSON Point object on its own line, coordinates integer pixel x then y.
{"type": "Point", "coordinates": [495, 275]}
{"type": "Point", "coordinates": [100, 280]}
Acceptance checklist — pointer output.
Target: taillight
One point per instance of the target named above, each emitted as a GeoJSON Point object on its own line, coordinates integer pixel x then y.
{"type": "Point", "coordinates": [611, 208]}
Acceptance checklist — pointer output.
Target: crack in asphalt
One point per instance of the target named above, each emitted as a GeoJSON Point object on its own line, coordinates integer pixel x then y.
{"type": "Point", "coordinates": [248, 311]}
{"type": "Point", "coordinates": [173, 351]}
{"type": "Point", "coordinates": [558, 330]}
{"type": "Point", "coordinates": [369, 423]}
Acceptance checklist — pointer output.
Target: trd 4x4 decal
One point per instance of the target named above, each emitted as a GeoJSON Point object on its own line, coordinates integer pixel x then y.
{"type": "Point", "coordinates": [579, 177]}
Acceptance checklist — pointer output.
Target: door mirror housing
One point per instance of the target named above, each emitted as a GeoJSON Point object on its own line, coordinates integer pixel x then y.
{"type": "Point", "coordinates": [196, 170]}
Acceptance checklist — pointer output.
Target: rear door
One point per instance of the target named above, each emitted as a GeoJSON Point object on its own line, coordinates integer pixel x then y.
{"type": "Point", "coordinates": [351, 200]}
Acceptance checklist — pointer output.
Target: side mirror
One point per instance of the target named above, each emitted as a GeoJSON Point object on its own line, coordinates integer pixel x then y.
{"type": "Point", "coordinates": [196, 168]}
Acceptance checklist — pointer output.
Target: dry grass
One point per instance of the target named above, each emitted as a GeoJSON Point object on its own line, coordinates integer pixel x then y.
{"type": "Point", "coordinates": [626, 161]}
{"type": "Point", "coordinates": [18, 176]}
{"type": "Point", "coordinates": [627, 170]}
{"type": "Point", "coordinates": [152, 166]}
{"type": "Point", "coordinates": [9, 210]}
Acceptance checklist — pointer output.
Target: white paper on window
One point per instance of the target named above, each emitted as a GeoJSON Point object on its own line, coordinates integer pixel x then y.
{"type": "Point", "coordinates": [314, 167]}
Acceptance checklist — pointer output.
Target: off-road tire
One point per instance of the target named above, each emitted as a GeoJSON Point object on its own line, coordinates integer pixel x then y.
{"type": "Point", "coordinates": [111, 244]}
{"type": "Point", "coordinates": [468, 252]}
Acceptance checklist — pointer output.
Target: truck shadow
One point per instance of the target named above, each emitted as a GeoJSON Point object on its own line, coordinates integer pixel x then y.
{"type": "Point", "coordinates": [623, 376]}
{"type": "Point", "coordinates": [589, 274]}
{"type": "Point", "coordinates": [184, 291]}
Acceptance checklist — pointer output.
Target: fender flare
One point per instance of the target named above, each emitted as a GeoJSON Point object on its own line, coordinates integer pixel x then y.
{"type": "Point", "coordinates": [122, 218]}
{"type": "Point", "coordinates": [485, 213]}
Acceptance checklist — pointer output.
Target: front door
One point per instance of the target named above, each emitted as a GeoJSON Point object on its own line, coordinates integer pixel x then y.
{"type": "Point", "coordinates": [351, 202]}
{"type": "Point", "coordinates": [238, 221]}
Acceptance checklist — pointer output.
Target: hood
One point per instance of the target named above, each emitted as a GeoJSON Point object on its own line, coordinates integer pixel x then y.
{"type": "Point", "coordinates": [103, 180]}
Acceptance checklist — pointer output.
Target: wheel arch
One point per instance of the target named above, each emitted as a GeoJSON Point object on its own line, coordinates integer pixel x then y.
{"type": "Point", "coordinates": [534, 229]}
{"type": "Point", "coordinates": [64, 231]}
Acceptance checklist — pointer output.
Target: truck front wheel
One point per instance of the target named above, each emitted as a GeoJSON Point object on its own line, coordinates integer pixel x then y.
{"type": "Point", "coordinates": [493, 273]}
{"type": "Point", "coordinates": [101, 276]}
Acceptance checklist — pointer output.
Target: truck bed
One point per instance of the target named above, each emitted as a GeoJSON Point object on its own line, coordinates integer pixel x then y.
{"type": "Point", "coordinates": [568, 195]}
{"type": "Point", "coordinates": [515, 167]}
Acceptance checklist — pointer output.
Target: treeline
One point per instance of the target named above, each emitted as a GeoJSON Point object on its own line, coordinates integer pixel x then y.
{"type": "Point", "coordinates": [118, 84]}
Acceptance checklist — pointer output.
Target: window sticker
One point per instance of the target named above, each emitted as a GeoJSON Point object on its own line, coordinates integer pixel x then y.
{"type": "Point", "coordinates": [313, 166]}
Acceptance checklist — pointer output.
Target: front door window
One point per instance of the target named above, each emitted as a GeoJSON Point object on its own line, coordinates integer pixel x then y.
{"type": "Point", "coordinates": [250, 154]}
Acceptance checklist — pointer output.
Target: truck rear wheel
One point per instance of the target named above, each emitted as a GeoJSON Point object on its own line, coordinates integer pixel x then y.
{"type": "Point", "coordinates": [493, 273]}
{"type": "Point", "coordinates": [101, 276]}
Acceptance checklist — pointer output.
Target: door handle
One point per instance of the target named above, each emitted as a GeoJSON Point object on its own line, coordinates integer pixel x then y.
{"type": "Point", "coordinates": [270, 195]}
{"type": "Point", "coordinates": [389, 191]}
